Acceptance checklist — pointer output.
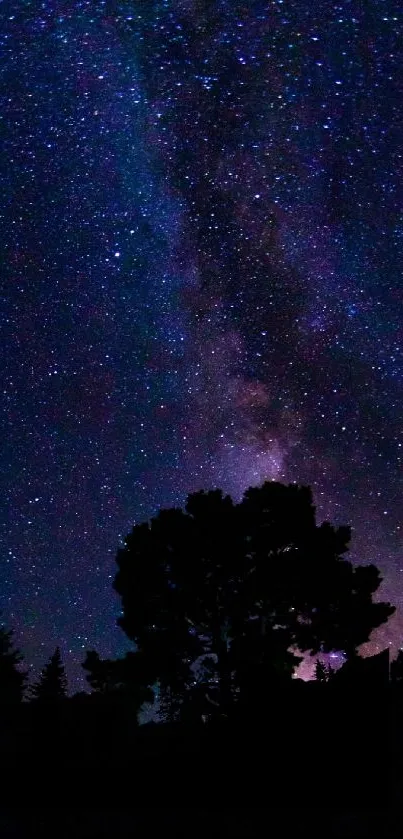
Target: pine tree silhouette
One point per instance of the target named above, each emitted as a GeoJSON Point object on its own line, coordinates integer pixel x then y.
{"type": "Point", "coordinates": [321, 672]}
{"type": "Point", "coordinates": [12, 679]}
{"type": "Point", "coordinates": [52, 684]}
{"type": "Point", "coordinates": [396, 669]}
{"type": "Point", "coordinates": [330, 673]}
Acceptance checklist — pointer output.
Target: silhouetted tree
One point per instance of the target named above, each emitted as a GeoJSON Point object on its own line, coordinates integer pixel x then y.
{"type": "Point", "coordinates": [321, 671]}
{"type": "Point", "coordinates": [396, 669]}
{"type": "Point", "coordinates": [200, 697]}
{"type": "Point", "coordinates": [370, 671]}
{"type": "Point", "coordinates": [330, 672]}
{"type": "Point", "coordinates": [244, 584]}
{"type": "Point", "coordinates": [51, 686]}
{"type": "Point", "coordinates": [99, 673]}
{"type": "Point", "coordinates": [261, 660]}
{"type": "Point", "coordinates": [124, 679]}
{"type": "Point", "coordinates": [12, 678]}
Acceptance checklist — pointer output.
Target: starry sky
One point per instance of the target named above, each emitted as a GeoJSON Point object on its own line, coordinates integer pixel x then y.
{"type": "Point", "coordinates": [202, 242]}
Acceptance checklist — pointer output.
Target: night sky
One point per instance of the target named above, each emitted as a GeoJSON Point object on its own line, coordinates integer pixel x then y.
{"type": "Point", "coordinates": [202, 241]}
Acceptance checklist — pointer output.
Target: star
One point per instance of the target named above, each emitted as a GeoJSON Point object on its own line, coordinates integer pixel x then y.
{"type": "Point", "coordinates": [202, 262]}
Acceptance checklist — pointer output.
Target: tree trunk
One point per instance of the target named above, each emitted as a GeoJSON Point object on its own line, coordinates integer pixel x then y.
{"type": "Point", "coordinates": [224, 674]}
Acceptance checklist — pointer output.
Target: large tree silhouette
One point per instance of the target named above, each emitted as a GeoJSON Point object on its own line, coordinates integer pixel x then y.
{"type": "Point", "coordinates": [51, 686]}
{"type": "Point", "coordinates": [12, 678]}
{"type": "Point", "coordinates": [244, 585]}
{"type": "Point", "coordinates": [120, 679]}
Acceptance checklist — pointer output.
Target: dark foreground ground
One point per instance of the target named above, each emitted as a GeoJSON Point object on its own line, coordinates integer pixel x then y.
{"type": "Point", "coordinates": [311, 765]}
{"type": "Point", "coordinates": [120, 823]}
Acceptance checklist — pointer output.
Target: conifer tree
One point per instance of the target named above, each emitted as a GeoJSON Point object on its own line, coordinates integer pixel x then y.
{"type": "Point", "coordinates": [12, 678]}
{"type": "Point", "coordinates": [321, 672]}
{"type": "Point", "coordinates": [52, 684]}
{"type": "Point", "coordinates": [396, 669]}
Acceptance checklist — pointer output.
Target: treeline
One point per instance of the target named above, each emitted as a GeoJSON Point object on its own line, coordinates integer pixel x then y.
{"type": "Point", "coordinates": [220, 601]}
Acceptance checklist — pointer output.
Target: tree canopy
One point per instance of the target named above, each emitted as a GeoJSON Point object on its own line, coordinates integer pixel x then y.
{"type": "Point", "coordinates": [238, 589]}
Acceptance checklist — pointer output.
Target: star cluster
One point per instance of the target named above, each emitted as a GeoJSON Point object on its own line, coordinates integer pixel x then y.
{"type": "Point", "coordinates": [202, 246]}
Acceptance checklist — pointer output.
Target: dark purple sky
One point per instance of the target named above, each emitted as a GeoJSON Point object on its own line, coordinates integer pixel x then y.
{"type": "Point", "coordinates": [202, 234]}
